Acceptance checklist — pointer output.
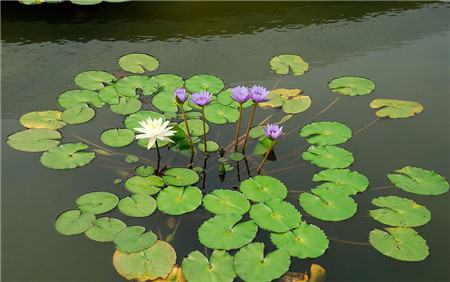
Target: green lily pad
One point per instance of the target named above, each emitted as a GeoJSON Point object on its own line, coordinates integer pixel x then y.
{"type": "Point", "coordinates": [419, 181]}
{"type": "Point", "coordinates": [78, 114]}
{"type": "Point", "coordinates": [236, 156]}
{"type": "Point", "coordinates": [328, 156]}
{"type": "Point", "coordinates": [262, 146]}
{"type": "Point", "coordinates": [275, 215]}
{"type": "Point", "coordinates": [126, 106]}
{"type": "Point", "coordinates": [326, 133]}
{"type": "Point", "coordinates": [283, 63]}
{"type": "Point", "coordinates": [400, 243]}
{"type": "Point", "coordinates": [256, 132]}
{"type": "Point", "coordinates": [179, 200]}
{"type": "Point", "coordinates": [351, 85]}
{"type": "Point", "coordinates": [137, 205]}
{"type": "Point", "coordinates": [34, 140]}
{"type": "Point", "coordinates": [109, 95]}
{"type": "Point", "coordinates": [86, 2]}
{"type": "Point", "coordinates": [223, 201]}
{"type": "Point", "coordinates": [220, 114]}
{"type": "Point", "coordinates": [211, 146]}
{"type": "Point", "coordinates": [392, 108]}
{"type": "Point", "coordinates": [305, 241]}
{"type": "Point", "coordinates": [219, 268]}
{"type": "Point", "coordinates": [225, 233]}
{"type": "Point", "coordinates": [396, 211]}
{"type": "Point", "coordinates": [145, 170]}
{"type": "Point", "coordinates": [42, 119]}
{"type": "Point", "coordinates": [134, 239]}
{"type": "Point", "coordinates": [117, 137]}
{"type": "Point", "coordinates": [178, 176]}
{"type": "Point", "coordinates": [73, 222]}
{"type": "Point", "coordinates": [138, 63]}
{"type": "Point", "coordinates": [349, 182]}
{"type": "Point", "coordinates": [132, 121]}
{"type": "Point", "coordinates": [168, 82]}
{"type": "Point", "coordinates": [97, 202]}
{"type": "Point", "coordinates": [144, 142]}
{"type": "Point", "coordinates": [262, 188]}
{"type": "Point", "coordinates": [328, 204]}
{"type": "Point", "coordinates": [200, 82]}
{"type": "Point", "coordinates": [129, 86]}
{"type": "Point", "coordinates": [225, 99]}
{"type": "Point", "coordinates": [131, 159]}
{"type": "Point", "coordinates": [165, 102]}
{"type": "Point", "coordinates": [93, 80]}
{"type": "Point", "coordinates": [67, 156]}
{"type": "Point", "coordinates": [149, 264]}
{"type": "Point", "coordinates": [105, 229]}
{"type": "Point", "coordinates": [195, 127]}
{"type": "Point", "coordinates": [297, 104]}
{"type": "Point", "coordinates": [74, 98]}
{"type": "Point", "coordinates": [251, 265]}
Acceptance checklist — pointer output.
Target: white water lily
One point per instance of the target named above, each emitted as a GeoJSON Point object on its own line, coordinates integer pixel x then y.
{"type": "Point", "coordinates": [154, 129]}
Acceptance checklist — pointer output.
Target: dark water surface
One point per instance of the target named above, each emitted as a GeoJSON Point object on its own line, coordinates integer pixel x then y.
{"type": "Point", "coordinates": [403, 47]}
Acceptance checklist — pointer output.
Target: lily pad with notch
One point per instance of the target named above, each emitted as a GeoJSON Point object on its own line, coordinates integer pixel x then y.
{"type": "Point", "coordinates": [326, 133]}
{"type": "Point", "coordinates": [117, 137]}
{"type": "Point", "coordinates": [178, 176]}
{"type": "Point", "coordinates": [179, 200]}
{"type": "Point", "coordinates": [328, 156]}
{"type": "Point", "coordinates": [137, 205]}
{"type": "Point", "coordinates": [105, 229]}
{"type": "Point", "coordinates": [74, 222]}
{"type": "Point", "coordinates": [168, 82]}
{"type": "Point", "coordinates": [131, 86]}
{"type": "Point", "coordinates": [351, 85]}
{"type": "Point", "coordinates": [224, 201]}
{"type": "Point", "coordinates": [42, 119]}
{"type": "Point", "coordinates": [94, 80]}
{"type": "Point", "coordinates": [138, 63]}
{"type": "Point", "coordinates": [67, 156]}
{"type": "Point", "coordinates": [134, 239]}
{"type": "Point", "coordinates": [109, 95]}
{"type": "Point", "coordinates": [275, 215]}
{"type": "Point", "coordinates": [97, 202]}
{"type": "Point", "coordinates": [262, 188]}
{"type": "Point", "coordinates": [282, 64]}
{"type": "Point", "coordinates": [220, 114]}
{"type": "Point", "coordinates": [34, 140]}
{"type": "Point", "coordinates": [78, 114]}
{"type": "Point", "coordinates": [126, 106]}
{"type": "Point", "coordinates": [149, 185]}
{"type": "Point", "coordinates": [349, 182]}
{"type": "Point", "coordinates": [393, 108]}
{"type": "Point", "coordinates": [195, 127]}
{"type": "Point", "coordinates": [145, 170]}
{"type": "Point", "coordinates": [219, 268]}
{"type": "Point", "coordinates": [201, 82]}
{"type": "Point", "coordinates": [72, 98]}
{"type": "Point", "coordinates": [419, 181]}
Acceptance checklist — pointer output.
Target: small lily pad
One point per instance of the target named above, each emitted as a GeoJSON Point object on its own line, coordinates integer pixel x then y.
{"type": "Point", "coordinates": [328, 156]}
{"type": "Point", "coordinates": [419, 181]}
{"type": "Point", "coordinates": [210, 145]}
{"type": "Point", "coordinates": [126, 106]}
{"type": "Point", "coordinates": [180, 176]}
{"type": "Point", "coordinates": [200, 82]}
{"type": "Point", "coordinates": [220, 114]}
{"type": "Point", "coordinates": [223, 201]}
{"type": "Point", "coordinates": [78, 114]}
{"type": "Point", "coordinates": [67, 156]}
{"type": "Point", "coordinates": [149, 185]}
{"type": "Point", "coordinates": [97, 202]}
{"type": "Point", "coordinates": [351, 85]}
{"type": "Point", "coordinates": [137, 205]}
{"type": "Point", "coordinates": [145, 170]}
{"type": "Point", "coordinates": [219, 268]}
{"type": "Point", "coordinates": [179, 200]}
{"type": "Point", "coordinates": [326, 133]}
{"type": "Point", "coordinates": [131, 159]}
{"type": "Point", "coordinates": [132, 121]}
{"type": "Point", "coordinates": [117, 137]}
{"type": "Point", "coordinates": [195, 127]}
{"type": "Point", "coordinates": [236, 156]}
{"type": "Point", "coordinates": [134, 239]}
{"type": "Point", "coordinates": [73, 222]}
{"type": "Point", "coordinates": [138, 63]}
{"type": "Point", "coordinates": [42, 119]}
{"type": "Point", "coordinates": [392, 108]}
{"type": "Point", "coordinates": [349, 182]}
{"type": "Point", "coordinates": [275, 215]}
{"type": "Point", "coordinates": [262, 188]}
{"type": "Point", "coordinates": [282, 64]}
{"type": "Point", "coordinates": [130, 86]}
{"type": "Point", "coordinates": [34, 140]}
{"type": "Point", "coordinates": [74, 98]}
{"type": "Point", "coordinates": [105, 229]}
{"type": "Point", "coordinates": [94, 80]}
{"type": "Point", "coordinates": [168, 82]}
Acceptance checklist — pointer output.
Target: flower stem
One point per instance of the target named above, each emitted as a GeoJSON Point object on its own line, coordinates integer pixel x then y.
{"type": "Point", "coordinates": [159, 157]}
{"type": "Point", "coordinates": [238, 128]}
{"type": "Point", "coordinates": [261, 164]}
{"type": "Point", "coordinates": [252, 115]}
{"type": "Point", "coordinates": [188, 130]}
{"type": "Point", "coordinates": [204, 131]}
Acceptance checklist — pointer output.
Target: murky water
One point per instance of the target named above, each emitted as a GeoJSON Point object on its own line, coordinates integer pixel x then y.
{"type": "Point", "coordinates": [403, 47]}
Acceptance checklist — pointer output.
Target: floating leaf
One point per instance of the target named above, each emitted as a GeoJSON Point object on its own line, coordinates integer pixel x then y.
{"type": "Point", "coordinates": [200, 82]}
{"type": "Point", "coordinates": [73, 222]}
{"type": "Point", "coordinates": [400, 243]}
{"type": "Point", "coordinates": [165, 102]}
{"type": "Point", "coordinates": [275, 215]}
{"type": "Point", "coordinates": [223, 201]}
{"type": "Point", "coordinates": [74, 98]}
{"type": "Point", "coordinates": [138, 63]}
{"type": "Point", "coordinates": [34, 140]}
{"type": "Point", "coordinates": [78, 114]}
{"type": "Point", "coordinates": [251, 265]}
{"type": "Point", "coordinates": [328, 156]}
{"type": "Point", "coordinates": [283, 63]}
{"type": "Point", "coordinates": [262, 188]}
{"type": "Point", "coordinates": [134, 239]}
{"type": "Point", "coordinates": [180, 176]}
{"type": "Point", "coordinates": [131, 159]}
{"type": "Point", "coordinates": [275, 98]}
{"type": "Point", "coordinates": [126, 106]}
{"type": "Point", "coordinates": [297, 104]}
{"type": "Point", "coordinates": [419, 181]}
{"type": "Point", "coordinates": [176, 275]}
{"type": "Point", "coordinates": [117, 137]}
{"type": "Point", "coordinates": [236, 156]}
{"type": "Point", "coordinates": [396, 211]}
{"type": "Point", "coordinates": [145, 170]}
{"type": "Point", "coordinates": [351, 85]}
{"type": "Point", "coordinates": [210, 145]}
{"type": "Point", "coordinates": [219, 268]}
{"type": "Point", "coordinates": [168, 82]}
{"type": "Point", "coordinates": [179, 200]}
{"type": "Point", "coordinates": [137, 205]}
{"type": "Point", "coordinates": [328, 204]}
{"type": "Point", "coordinates": [109, 95]}
{"type": "Point", "coordinates": [305, 241]}
{"type": "Point", "coordinates": [195, 127]}
{"type": "Point", "coordinates": [326, 133]}
{"type": "Point", "coordinates": [105, 229]}
{"type": "Point", "coordinates": [225, 233]}
{"type": "Point", "coordinates": [131, 86]}
{"type": "Point", "coordinates": [67, 156]}
{"type": "Point", "coordinates": [396, 108]}
{"type": "Point", "coordinates": [220, 114]}
{"type": "Point", "coordinates": [291, 100]}
{"type": "Point", "coordinates": [93, 80]}
{"type": "Point", "coordinates": [86, 2]}
{"type": "Point", "coordinates": [256, 132]}
{"type": "Point", "coordinates": [132, 121]}
{"type": "Point", "coordinates": [97, 202]}
{"type": "Point", "coordinates": [225, 99]}
{"type": "Point", "coordinates": [42, 119]}
{"type": "Point", "coordinates": [262, 146]}
{"type": "Point", "coordinates": [349, 182]}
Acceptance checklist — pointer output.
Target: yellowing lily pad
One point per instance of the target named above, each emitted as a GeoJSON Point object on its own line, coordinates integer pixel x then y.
{"type": "Point", "coordinates": [179, 200]}
{"type": "Point", "coordinates": [392, 108]}
{"type": "Point", "coordinates": [178, 176]}
{"type": "Point", "coordinates": [34, 140]}
{"type": "Point", "coordinates": [275, 215]}
{"type": "Point", "coordinates": [105, 229]}
{"type": "Point", "coordinates": [42, 119]}
{"type": "Point", "coordinates": [219, 268]}
{"type": "Point", "coordinates": [137, 205]}
{"type": "Point", "coordinates": [134, 239]}
{"type": "Point", "coordinates": [349, 182]}
{"type": "Point", "coordinates": [94, 80]}
{"type": "Point", "coordinates": [328, 156]}
{"type": "Point", "coordinates": [326, 133]}
{"type": "Point", "coordinates": [223, 201]}
{"type": "Point", "coordinates": [351, 85]}
{"type": "Point", "coordinates": [296, 104]}
{"type": "Point", "coordinates": [73, 222]}
{"type": "Point", "coordinates": [67, 156]}
{"type": "Point", "coordinates": [200, 82]}
{"type": "Point", "coordinates": [138, 63]}
{"type": "Point", "coordinates": [117, 137]}
{"type": "Point", "coordinates": [419, 181]}
{"type": "Point", "coordinates": [262, 188]}
{"type": "Point", "coordinates": [282, 64]}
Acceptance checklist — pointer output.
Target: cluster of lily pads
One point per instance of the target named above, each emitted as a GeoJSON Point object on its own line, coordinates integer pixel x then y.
{"type": "Point", "coordinates": [236, 216]}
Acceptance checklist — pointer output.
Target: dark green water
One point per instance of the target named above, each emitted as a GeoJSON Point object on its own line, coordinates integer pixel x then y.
{"type": "Point", "coordinates": [403, 47]}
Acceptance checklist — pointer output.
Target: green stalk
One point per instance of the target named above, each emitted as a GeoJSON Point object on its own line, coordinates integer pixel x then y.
{"type": "Point", "coordinates": [261, 164]}
{"type": "Point", "coordinates": [252, 115]}
{"type": "Point", "coordinates": [187, 129]}
{"type": "Point", "coordinates": [238, 128]}
{"type": "Point", "coordinates": [204, 130]}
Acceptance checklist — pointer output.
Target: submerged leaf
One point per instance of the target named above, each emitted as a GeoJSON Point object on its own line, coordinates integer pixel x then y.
{"type": "Point", "coordinates": [349, 182]}
{"type": "Point", "coordinates": [134, 239]}
{"type": "Point", "coordinates": [200, 82]}
{"type": "Point", "coordinates": [34, 140]}
{"type": "Point", "coordinates": [262, 188]}
{"type": "Point", "coordinates": [97, 202]}
{"type": "Point", "coordinates": [73, 222]}
{"type": "Point", "coordinates": [351, 85]}
{"type": "Point", "coordinates": [137, 205]}
{"type": "Point", "coordinates": [67, 156]}
{"type": "Point", "coordinates": [93, 80]}
{"type": "Point", "coordinates": [223, 201]}
{"type": "Point", "coordinates": [179, 200]}
{"type": "Point", "coordinates": [138, 63]}
{"type": "Point", "coordinates": [219, 268]}
{"type": "Point", "coordinates": [283, 63]}
{"type": "Point", "coordinates": [396, 108]}
{"type": "Point", "coordinates": [328, 156]}
{"type": "Point", "coordinates": [419, 181]}
{"type": "Point", "coordinates": [326, 133]}
{"type": "Point", "coordinates": [42, 119]}
{"type": "Point", "coordinates": [117, 137]}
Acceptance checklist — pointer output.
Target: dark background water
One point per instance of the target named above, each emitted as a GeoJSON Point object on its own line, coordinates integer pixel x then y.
{"type": "Point", "coordinates": [403, 47]}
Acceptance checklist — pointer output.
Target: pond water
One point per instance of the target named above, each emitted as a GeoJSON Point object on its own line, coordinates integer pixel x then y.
{"type": "Point", "coordinates": [403, 47]}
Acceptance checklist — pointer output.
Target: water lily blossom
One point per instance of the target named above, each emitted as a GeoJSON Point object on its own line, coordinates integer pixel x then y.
{"type": "Point", "coordinates": [201, 98]}
{"type": "Point", "coordinates": [180, 95]}
{"type": "Point", "coordinates": [154, 130]}
{"type": "Point", "coordinates": [240, 94]}
{"type": "Point", "coordinates": [273, 132]}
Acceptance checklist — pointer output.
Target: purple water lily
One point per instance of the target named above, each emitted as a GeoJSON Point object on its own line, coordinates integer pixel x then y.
{"type": "Point", "coordinates": [240, 94]}
{"type": "Point", "coordinates": [180, 95]}
{"type": "Point", "coordinates": [259, 94]}
{"type": "Point", "coordinates": [273, 131]}
{"type": "Point", "coordinates": [201, 98]}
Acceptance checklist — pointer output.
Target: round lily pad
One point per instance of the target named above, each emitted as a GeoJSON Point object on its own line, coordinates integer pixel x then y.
{"type": "Point", "coordinates": [328, 156]}
{"type": "Point", "coordinates": [392, 108]}
{"type": "Point", "coordinates": [223, 201]}
{"type": "Point", "coordinates": [349, 182]}
{"type": "Point", "coordinates": [166, 103]}
{"type": "Point", "coordinates": [283, 63]}
{"type": "Point", "coordinates": [251, 265]}
{"type": "Point", "coordinates": [137, 205]}
{"type": "Point", "coordinates": [132, 121]}
{"type": "Point", "coordinates": [262, 188]}
{"type": "Point", "coordinates": [419, 181]}
{"type": "Point", "coordinates": [93, 80]}
{"type": "Point", "coordinates": [179, 200]}
{"type": "Point", "coordinates": [236, 156]}
{"type": "Point", "coordinates": [195, 126]}
{"type": "Point", "coordinates": [296, 104]}
{"type": "Point", "coordinates": [219, 268]}
{"type": "Point", "coordinates": [200, 82]}
{"type": "Point", "coordinates": [130, 86]}
{"type": "Point", "coordinates": [34, 140]}
{"type": "Point", "coordinates": [138, 63]}
{"type": "Point", "coordinates": [396, 211]}
{"type": "Point", "coordinates": [109, 95]}
{"type": "Point", "coordinates": [220, 114]}
{"type": "Point", "coordinates": [149, 264]}
{"type": "Point", "coordinates": [305, 241]}
{"type": "Point", "coordinates": [211, 146]}
{"type": "Point", "coordinates": [74, 98]}
{"type": "Point", "coordinates": [117, 137]}
{"type": "Point", "coordinates": [328, 204]}
{"type": "Point", "coordinates": [275, 215]}
{"type": "Point", "coordinates": [168, 82]}
{"type": "Point", "coordinates": [326, 133]}
{"type": "Point", "coordinates": [401, 243]}
{"type": "Point", "coordinates": [126, 106]}
{"type": "Point", "coordinates": [73, 222]}
{"type": "Point", "coordinates": [42, 119]}
{"type": "Point", "coordinates": [178, 176]}
{"type": "Point", "coordinates": [145, 170]}
{"type": "Point", "coordinates": [67, 156]}
{"type": "Point", "coordinates": [105, 229]}
{"type": "Point", "coordinates": [97, 202]}
{"type": "Point", "coordinates": [351, 85]}
{"type": "Point", "coordinates": [78, 114]}
{"type": "Point", "coordinates": [256, 132]}
{"type": "Point", "coordinates": [134, 239]}
{"type": "Point", "coordinates": [225, 233]}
